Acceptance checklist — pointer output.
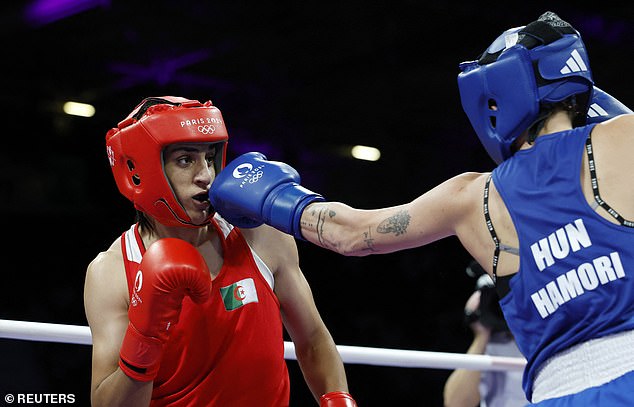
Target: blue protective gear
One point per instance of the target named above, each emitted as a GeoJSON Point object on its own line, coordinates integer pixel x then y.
{"type": "Point", "coordinates": [252, 190]}
{"type": "Point", "coordinates": [524, 71]}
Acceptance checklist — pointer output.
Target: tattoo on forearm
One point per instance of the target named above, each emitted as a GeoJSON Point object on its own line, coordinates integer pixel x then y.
{"type": "Point", "coordinates": [396, 224]}
{"type": "Point", "coordinates": [321, 218]}
{"type": "Point", "coordinates": [323, 214]}
{"type": "Point", "coordinates": [369, 240]}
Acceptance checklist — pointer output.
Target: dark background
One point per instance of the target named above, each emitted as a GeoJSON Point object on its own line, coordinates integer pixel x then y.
{"type": "Point", "coordinates": [298, 81]}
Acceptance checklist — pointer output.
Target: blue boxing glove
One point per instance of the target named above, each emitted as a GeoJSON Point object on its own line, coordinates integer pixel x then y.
{"type": "Point", "coordinates": [251, 190]}
{"type": "Point", "coordinates": [603, 106]}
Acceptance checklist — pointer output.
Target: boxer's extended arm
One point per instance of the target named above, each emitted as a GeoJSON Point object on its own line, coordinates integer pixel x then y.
{"type": "Point", "coordinates": [443, 211]}
{"type": "Point", "coordinates": [252, 190]}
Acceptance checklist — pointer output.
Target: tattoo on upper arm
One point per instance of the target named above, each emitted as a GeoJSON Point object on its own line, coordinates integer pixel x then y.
{"type": "Point", "coordinates": [396, 224]}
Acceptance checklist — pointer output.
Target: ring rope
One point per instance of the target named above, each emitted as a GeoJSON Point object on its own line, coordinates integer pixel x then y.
{"type": "Point", "coordinates": [76, 334]}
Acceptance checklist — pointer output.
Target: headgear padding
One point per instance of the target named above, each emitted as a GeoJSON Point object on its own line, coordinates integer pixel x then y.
{"type": "Point", "coordinates": [523, 71]}
{"type": "Point", "coordinates": [135, 151]}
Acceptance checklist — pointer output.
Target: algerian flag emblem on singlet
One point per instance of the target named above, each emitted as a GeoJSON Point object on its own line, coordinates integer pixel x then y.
{"type": "Point", "coordinates": [238, 294]}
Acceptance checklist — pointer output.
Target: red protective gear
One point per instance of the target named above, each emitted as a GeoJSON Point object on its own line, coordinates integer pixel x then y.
{"type": "Point", "coordinates": [135, 150]}
{"type": "Point", "coordinates": [337, 399]}
{"type": "Point", "coordinates": [170, 269]}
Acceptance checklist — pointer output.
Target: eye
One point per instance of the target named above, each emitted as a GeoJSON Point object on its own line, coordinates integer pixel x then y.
{"type": "Point", "coordinates": [184, 160]}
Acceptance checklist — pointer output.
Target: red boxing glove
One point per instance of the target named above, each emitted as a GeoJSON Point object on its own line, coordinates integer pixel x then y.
{"type": "Point", "coordinates": [170, 269]}
{"type": "Point", "coordinates": [337, 399]}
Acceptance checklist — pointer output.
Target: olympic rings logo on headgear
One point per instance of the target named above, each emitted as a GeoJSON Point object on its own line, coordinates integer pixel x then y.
{"type": "Point", "coordinates": [206, 129]}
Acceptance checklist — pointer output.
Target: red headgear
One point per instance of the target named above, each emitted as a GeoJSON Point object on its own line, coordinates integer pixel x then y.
{"type": "Point", "coordinates": [135, 151]}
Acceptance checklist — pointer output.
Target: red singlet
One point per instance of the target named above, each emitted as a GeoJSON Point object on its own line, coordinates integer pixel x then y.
{"type": "Point", "coordinates": [230, 350]}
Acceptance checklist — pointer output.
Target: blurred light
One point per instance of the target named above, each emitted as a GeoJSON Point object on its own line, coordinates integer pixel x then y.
{"type": "Point", "coordinates": [365, 153]}
{"type": "Point", "coordinates": [40, 12]}
{"type": "Point", "coordinates": [79, 109]}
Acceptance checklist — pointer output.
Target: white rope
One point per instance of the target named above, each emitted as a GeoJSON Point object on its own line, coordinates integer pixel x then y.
{"type": "Point", "coordinates": [38, 331]}
{"type": "Point", "coordinates": [44, 332]}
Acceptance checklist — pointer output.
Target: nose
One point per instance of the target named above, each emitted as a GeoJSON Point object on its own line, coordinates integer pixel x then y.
{"type": "Point", "coordinates": [205, 173]}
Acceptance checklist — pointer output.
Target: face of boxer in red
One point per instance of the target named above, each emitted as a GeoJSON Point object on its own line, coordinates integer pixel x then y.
{"type": "Point", "coordinates": [190, 170]}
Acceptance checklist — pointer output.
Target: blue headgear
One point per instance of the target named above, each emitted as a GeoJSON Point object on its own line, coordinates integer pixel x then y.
{"type": "Point", "coordinates": [522, 72]}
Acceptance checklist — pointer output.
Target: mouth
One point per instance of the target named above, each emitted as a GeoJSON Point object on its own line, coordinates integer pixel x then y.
{"type": "Point", "coordinates": [202, 198]}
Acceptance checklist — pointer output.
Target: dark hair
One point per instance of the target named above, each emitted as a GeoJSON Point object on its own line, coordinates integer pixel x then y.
{"type": "Point", "coordinates": [569, 105]}
{"type": "Point", "coordinates": [144, 222]}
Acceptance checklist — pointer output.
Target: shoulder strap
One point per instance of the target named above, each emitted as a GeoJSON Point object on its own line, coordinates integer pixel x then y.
{"type": "Point", "coordinates": [595, 187]}
{"type": "Point", "coordinates": [494, 236]}
{"type": "Point", "coordinates": [498, 245]}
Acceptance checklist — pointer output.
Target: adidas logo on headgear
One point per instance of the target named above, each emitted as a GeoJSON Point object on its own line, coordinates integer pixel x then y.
{"type": "Point", "coordinates": [595, 111]}
{"type": "Point", "coordinates": [574, 64]}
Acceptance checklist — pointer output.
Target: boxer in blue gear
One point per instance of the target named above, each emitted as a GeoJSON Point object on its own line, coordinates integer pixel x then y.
{"type": "Point", "coordinates": [552, 224]}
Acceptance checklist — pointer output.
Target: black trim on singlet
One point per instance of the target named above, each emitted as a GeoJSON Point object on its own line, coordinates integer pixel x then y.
{"type": "Point", "coordinates": [501, 283]}
{"type": "Point", "coordinates": [494, 236]}
{"type": "Point", "coordinates": [595, 187]}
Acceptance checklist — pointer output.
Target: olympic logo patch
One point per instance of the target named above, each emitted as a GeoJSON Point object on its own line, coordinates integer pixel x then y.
{"type": "Point", "coordinates": [248, 173]}
{"type": "Point", "coordinates": [206, 129]}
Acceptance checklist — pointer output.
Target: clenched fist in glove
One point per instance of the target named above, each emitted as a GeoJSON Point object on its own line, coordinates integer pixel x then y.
{"type": "Point", "coordinates": [252, 190]}
{"type": "Point", "coordinates": [170, 269]}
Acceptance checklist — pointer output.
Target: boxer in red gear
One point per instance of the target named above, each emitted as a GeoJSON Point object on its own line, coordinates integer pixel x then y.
{"type": "Point", "coordinates": [157, 339]}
